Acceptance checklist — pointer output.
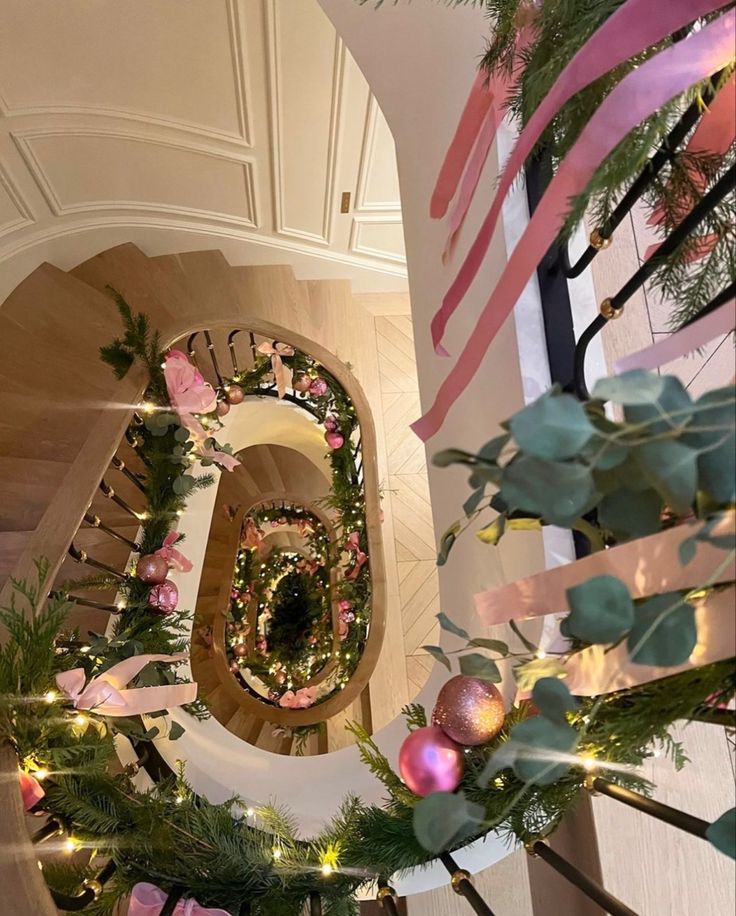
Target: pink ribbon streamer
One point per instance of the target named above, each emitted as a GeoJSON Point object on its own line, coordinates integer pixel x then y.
{"type": "Point", "coordinates": [303, 698]}
{"type": "Point", "coordinates": [359, 557]}
{"type": "Point", "coordinates": [645, 566]}
{"type": "Point", "coordinates": [695, 335]}
{"type": "Point", "coordinates": [105, 695]}
{"type": "Point", "coordinates": [175, 558]}
{"type": "Point", "coordinates": [634, 26]}
{"type": "Point", "coordinates": [471, 120]}
{"type": "Point", "coordinates": [148, 900]}
{"type": "Point", "coordinates": [641, 92]}
{"type": "Point", "coordinates": [30, 790]}
{"type": "Point", "coordinates": [281, 373]}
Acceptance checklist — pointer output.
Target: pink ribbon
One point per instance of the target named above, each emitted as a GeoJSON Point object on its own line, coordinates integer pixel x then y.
{"type": "Point", "coordinates": [469, 125]}
{"type": "Point", "coordinates": [147, 900]}
{"type": "Point", "coordinates": [281, 373]}
{"type": "Point", "coordinates": [175, 558]}
{"type": "Point", "coordinates": [224, 459]}
{"type": "Point", "coordinates": [30, 790]}
{"type": "Point", "coordinates": [252, 536]}
{"type": "Point", "coordinates": [359, 558]}
{"type": "Point", "coordinates": [105, 695]}
{"type": "Point", "coordinates": [303, 698]}
{"type": "Point", "coordinates": [188, 391]}
{"type": "Point", "coordinates": [695, 335]}
{"type": "Point", "coordinates": [641, 92]}
{"type": "Point", "coordinates": [634, 26]}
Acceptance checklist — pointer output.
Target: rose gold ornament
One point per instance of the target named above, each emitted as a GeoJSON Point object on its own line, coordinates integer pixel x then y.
{"type": "Point", "coordinates": [223, 408]}
{"type": "Point", "coordinates": [280, 678]}
{"type": "Point", "coordinates": [234, 394]}
{"type": "Point", "coordinates": [469, 710]}
{"type": "Point", "coordinates": [318, 387]}
{"type": "Point", "coordinates": [163, 598]}
{"type": "Point", "coordinates": [234, 667]}
{"type": "Point", "coordinates": [152, 569]}
{"type": "Point", "coordinates": [302, 383]}
{"type": "Point", "coordinates": [240, 650]}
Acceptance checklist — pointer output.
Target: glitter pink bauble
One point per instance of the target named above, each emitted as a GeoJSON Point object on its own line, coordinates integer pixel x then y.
{"type": "Point", "coordinates": [345, 605]}
{"type": "Point", "coordinates": [469, 710]}
{"type": "Point", "coordinates": [330, 424]}
{"type": "Point", "coordinates": [163, 598]}
{"type": "Point", "coordinates": [334, 440]}
{"type": "Point", "coordinates": [223, 408]}
{"type": "Point", "coordinates": [152, 569]}
{"type": "Point", "coordinates": [318, 387]}
{"type": "Point", "coordinates": [429, 761]}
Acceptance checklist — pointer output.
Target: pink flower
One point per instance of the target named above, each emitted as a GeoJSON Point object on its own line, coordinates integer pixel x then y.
{"type": "Point", "coordinates": [188, 391]}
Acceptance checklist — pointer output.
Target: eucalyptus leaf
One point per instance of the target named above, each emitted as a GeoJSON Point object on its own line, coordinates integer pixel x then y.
{"type": "Point", "coordinates": [484, 474]}
{"type": "Point", "coordinates": [450, 456]}
{"type": "Point", "coordinates": [672, 408]}
{"type": "Point", "coordinates": [538, 742]}
{"type": "Point", "coordinates": [474, 500]}
{"type": "Point", "coordinates": [182, 434]}
{"type": "Point", "coordinates": [446, 542]}
{"type": "Point", "coordinates": [715, 440]}
{"type": "Point", "coordinates": [664, 631]}
{"type": "Point", "coordinates": [634, 387]}
{"type": "Point", "coordinates": [493, 448]}
{"type": "Point", "coordinates": [450, 627]}
{"type": "Point", "coordinates": [438, 655]}
{"type": "Point", "coordinates": [554, 427]}
{"type": "Point", "coordinates": [686, 551]}
{"type": "Point", "coordinates": [443, 819]}
{"type": "Point", "coordinates": [175, 731]}
{"type": "Point", "coordinates": [628, 515]}
{"type": "Point", "coordinates": [476, 665]}
{"type": "Point", "coordinates": [553, 699]}
{"type": "Point", "coordinates": [601, 610]}
{"type": "Point", "coordinates": [558, 492]}
{"type": "Point", "coordinates": [495, 645]}
{"type": "Point", "coordinates": [722, 833]}
{"type": "Point", "coordinates": [671, 468]}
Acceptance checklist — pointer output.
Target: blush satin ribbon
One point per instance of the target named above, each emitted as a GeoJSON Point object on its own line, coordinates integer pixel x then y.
{"type": "Point", "coordinates": [148, 900]}
{"type": "Point", "coordinates": [30, 790]}
{"type": "Point", "coordinates": [634, 26]}
{"type": "Point", "coordinates": [641, 92]}
{"type": "Point", "coordinates": [174, 557]}
{"type": "Point", "coordinates": [105, 695]}
{"type": "Point", "coordinates": [281, 373]}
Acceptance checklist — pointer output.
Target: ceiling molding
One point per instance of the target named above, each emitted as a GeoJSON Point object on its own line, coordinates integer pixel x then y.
{"type": "Point", "coordinates": [275, 84]}
{"type": "Point", "coordinates": [79, 222]}
{"type": "Point", "coordinates": [244, 136]}
{"type": "Point", "coordinates": [23, 140]}
{"type": "Point", "coordinates": [367, 161]}
{"type": "Point", "coordinates": [25, 214]}
{"type": "Point", "coordinates": [358, 246]}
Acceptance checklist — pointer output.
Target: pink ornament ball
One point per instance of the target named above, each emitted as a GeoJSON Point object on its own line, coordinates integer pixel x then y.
{"type": "Point", "coordinates": [152, 569]}
{"type": "Point", "coordinates": [345, 605]}
{"type": "Point", "coordinates": [303, 383]}
{"type": "Point", "coordinates": [240, 650]}
{"type": "Point", "coordinates": [318, 387]}
{"type": "Point", "coordinates": [469, 710]}
{"type": "Point", "coordinates": [330, 424]}
{"type": "Point", "coordinates": [234, 394]}
{"type": "Point", "coordinates": [334, 440]}
{"type": "Point", "coordinates": [163, 598]}
{"type": "Point", "coordinates": [223, 408]}
{"type": "Point", "coordinates": [429, 761]}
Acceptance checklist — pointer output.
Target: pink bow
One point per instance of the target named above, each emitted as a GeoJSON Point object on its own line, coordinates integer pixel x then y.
{"type": "Point", "coordinates": [105, 695]}
{"type": "Point", "coordinates": [353, 545]}
{"type": "Point", "coordinates": [148, 900]}
{"type": "Point", "coordinates": [281, 373]}
{"type": "Point", "coordinates": [30, 790]}
{"type": "Point", "coordinates": [173, 557]}
{"type": "Point", "coordinates": [188, 391]}
{"type": "Point", "coordinates": [228, 461]}
{"type": "Point", "coordinates": [303, 698]}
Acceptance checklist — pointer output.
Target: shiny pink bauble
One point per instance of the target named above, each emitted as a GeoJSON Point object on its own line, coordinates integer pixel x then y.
{"type": "Point", "coordinates": [429, 761]}
{"type": "Point", "coordinates": [318, 387]}
{"type": "Point", "coordinates": [330, 424]}
{"type": "Point", "coordinates": [223, 408]}
{"type": "Point", "coordinates": [469, 710]}
{"type": "Point", "coordinates": [334, 440]}
{"type": "Point", "coordinates": [164, 598]}
{"type": "Point", "coordinates": [151, 569]}
{"type": "Point", "coordinates": [240, 650]}
{"type": "Point", "coordinates": [234, 394]}
{"type": "Point", "coordinates": [345, 605]}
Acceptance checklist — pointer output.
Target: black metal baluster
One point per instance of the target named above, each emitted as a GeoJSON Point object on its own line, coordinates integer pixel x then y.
{"type": "Point", "coordinates": [95, 522]}
{"type": "Point", "coordinates": [211, 348]}
{"type": "Point", "coordinates": [190, 348]}
{"type": "Point", "coordinates": [386, 898]}
{"type": "Point", "coordinates": [612, 308]}
{"type": "Point", "coordinates": [119, 465]}
{"type": "Point", "coordinates": [80, 556]}
{"type": "Point", "coordinates": [726, 718]}
{"type": "Point", "coordinates": [110, 493]}
{"type": "Point", "coordinates": [231, 346]}
{"type": "Point", "coordinates": [315, 904]}
{"type": "Point", "coordinates": [585, 884]}
{"type": "Point", "coordinates": [463, 886]}
{"type": "Point", "coordinates": [601, 238]}
{"type": "Point", "coordinates": [91, 890]}
{"type": "Point", "coordinates": [253, 347]}
{"type": "Point", "coordinates": [171, 901]}
{"type": "Point", "coordinates": [98, 605]}
{"type": "Point", "coordinates": [679, 819]}
{"type": "Point", "coordinates": [52, 828]}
